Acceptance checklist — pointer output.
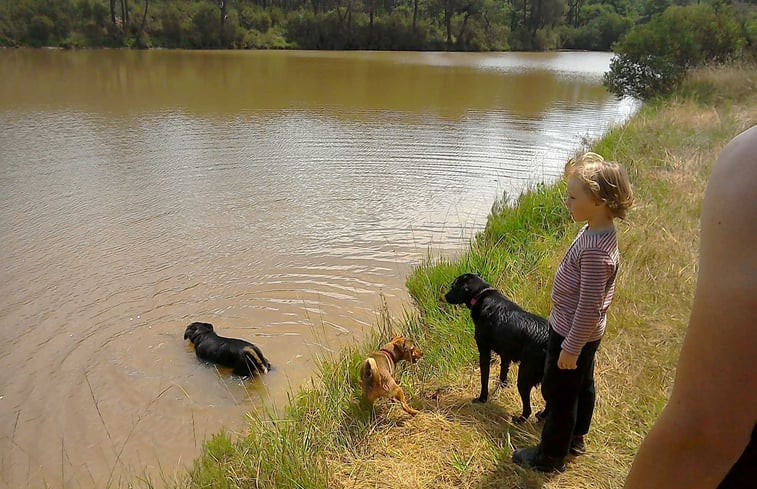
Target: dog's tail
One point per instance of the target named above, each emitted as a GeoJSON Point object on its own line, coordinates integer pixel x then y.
{"type": "Point", "coordinates": [367, 373]}
{"type": "Point", "coordinates": [255, 360]}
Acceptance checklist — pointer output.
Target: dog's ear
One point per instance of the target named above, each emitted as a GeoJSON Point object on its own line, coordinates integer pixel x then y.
{"type": "Point", "coordinates": [398, 345]}
{"type": "Point", "coordinates": [203, 327]}
{"type": "Point", "coordinates": [474, 282]}
{"type": "Point", "coordinates": [462, 282]}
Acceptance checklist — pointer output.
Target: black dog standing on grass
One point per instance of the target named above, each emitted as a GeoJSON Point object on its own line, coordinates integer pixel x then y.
{"type": "Point", "coordinates": [501, 325]}
{"type": "Point", "coordinates": [245, 358]}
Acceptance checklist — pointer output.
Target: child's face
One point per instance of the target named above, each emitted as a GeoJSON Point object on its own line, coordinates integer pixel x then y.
{"type": "Point", "coordinates": [580, 201]}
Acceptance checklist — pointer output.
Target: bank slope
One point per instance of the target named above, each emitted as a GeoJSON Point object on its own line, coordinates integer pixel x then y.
{"type": "Point", "coordinates": [327, 438]}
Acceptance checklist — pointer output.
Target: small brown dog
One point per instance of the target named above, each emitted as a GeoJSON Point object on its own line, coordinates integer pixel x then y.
{"type": "Point", "coordinates": [377, 372]}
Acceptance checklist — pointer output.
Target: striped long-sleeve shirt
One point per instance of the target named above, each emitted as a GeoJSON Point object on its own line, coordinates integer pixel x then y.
{"type": "Point", "coordinates": [583, 288]}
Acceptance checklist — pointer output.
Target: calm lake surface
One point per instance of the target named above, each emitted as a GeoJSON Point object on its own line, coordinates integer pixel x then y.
{"type": "Point", "coordinates": [277, 195]}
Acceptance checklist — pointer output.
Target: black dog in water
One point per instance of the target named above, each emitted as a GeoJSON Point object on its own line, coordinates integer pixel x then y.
{"type": "Point", "coordinates": [501, 325]}
{"type": "Point", "coordinates": [245, 358]}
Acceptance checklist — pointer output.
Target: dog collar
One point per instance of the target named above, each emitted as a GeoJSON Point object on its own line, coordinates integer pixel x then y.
{"type": "Point", "coordinates": [474, 300]}
{"type": "Point", "coordinates": [389, 355]}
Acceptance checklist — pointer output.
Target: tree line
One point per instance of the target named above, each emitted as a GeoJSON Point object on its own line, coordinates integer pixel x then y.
{"type": "Point", "coordinates": [655, 41]}
{"type": "Point", "coordinates": [459, 25]}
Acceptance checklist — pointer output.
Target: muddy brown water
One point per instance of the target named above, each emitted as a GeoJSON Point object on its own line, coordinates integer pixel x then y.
{"type": "Point", "coordinates": [277, 195]}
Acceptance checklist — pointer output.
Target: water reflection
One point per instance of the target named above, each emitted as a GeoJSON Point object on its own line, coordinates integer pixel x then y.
{"type": "Point", "coordinates": [218, 83]}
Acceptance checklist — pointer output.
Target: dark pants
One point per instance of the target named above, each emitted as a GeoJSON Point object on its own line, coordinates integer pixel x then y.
{"type": "Point", "coordinates": [570, 396]}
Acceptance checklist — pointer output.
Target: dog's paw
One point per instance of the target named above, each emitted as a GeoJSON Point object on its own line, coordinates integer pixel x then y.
{"type": "Point", "coordinates": [479, 400]}
{"type": "Point", "coordinates": [519, 419]}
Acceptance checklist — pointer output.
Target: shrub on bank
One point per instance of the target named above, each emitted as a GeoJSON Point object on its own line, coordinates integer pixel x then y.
{"type": "Point", "coordinates": [272, 38]}
{"type": "Point", "coordinates": [653, 58]}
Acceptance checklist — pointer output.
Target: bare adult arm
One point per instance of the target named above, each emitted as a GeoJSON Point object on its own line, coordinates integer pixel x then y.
{"type": "Point", "coordinates": [712, 410]}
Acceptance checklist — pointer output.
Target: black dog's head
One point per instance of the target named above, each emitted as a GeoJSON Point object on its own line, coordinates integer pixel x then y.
{"type": "Point", "coordinates": [195, 330]}
{"type": "Point", "coordinates": [464, 288]}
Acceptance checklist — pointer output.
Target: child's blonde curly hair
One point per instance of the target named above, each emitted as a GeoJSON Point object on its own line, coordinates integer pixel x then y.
{"type": "Point", "coordinates": [606, 180]}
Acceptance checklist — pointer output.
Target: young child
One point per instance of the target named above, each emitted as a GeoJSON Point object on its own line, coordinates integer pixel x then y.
{"type": "Point", "coordinates": [598, 192]}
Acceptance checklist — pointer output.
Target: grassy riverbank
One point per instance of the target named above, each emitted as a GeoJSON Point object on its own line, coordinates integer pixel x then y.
{"type": "Point", "coordinates": [328, 439]}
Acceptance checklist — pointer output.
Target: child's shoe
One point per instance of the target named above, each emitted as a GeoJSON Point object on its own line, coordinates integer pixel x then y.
{"type": "Point", "coordinates": [577, 445]}
{"type": "Point", "coordinates": [533, 458]}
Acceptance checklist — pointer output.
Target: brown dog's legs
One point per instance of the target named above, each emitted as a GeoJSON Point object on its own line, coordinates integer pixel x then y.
{"type": "Point", "coordinates": [398, 394]}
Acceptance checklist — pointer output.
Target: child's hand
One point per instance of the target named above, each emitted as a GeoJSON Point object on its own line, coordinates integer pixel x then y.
{"type": "Point", "coordinates": [567, 361]}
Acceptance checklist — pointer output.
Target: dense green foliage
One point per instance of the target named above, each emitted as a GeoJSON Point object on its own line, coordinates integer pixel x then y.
{"type": "Point", "coordinates": [653, 57]}
{"type": "Point", "coordinates": [468, 25]}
